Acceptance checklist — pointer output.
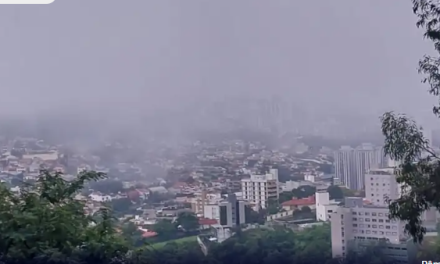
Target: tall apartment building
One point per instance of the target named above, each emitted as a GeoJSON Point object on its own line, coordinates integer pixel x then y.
{"type": "Point", "coordinates": [351, 164]}
{"type": "Point", "coordinates": [357, 223]}
{"type": "Point", "coordinates": [361, 221]}
{"type": "Point", "coordinates": [260, 189]}
{"type": "Point", "coordinates": [229, 212]}
{"type": "Point", "coordinates": [381, 185]}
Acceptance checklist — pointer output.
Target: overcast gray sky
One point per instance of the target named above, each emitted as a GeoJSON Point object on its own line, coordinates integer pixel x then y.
{"type": "Point", "coordinates": [143, 55]}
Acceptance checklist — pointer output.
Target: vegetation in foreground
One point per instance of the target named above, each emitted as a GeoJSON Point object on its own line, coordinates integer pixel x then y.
{"type": "Point", "coordinates": [45, 224]}
{"type": "Point", "coordinates": [419, 169]}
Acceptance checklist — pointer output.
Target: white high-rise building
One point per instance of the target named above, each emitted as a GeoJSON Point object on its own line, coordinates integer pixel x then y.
{"type": "Point", "coordinates": [357, 222]}
{"type": "Point", "coordinates": [229, 212]}
{"type": "Point", "coordinates": [260, 189]}
{"type": "Point", "coordinates": [352, 164]}
{"type": "Point", "coordinates": [362, 221]}
{"type": "Point", "coordinates": [381, 185]}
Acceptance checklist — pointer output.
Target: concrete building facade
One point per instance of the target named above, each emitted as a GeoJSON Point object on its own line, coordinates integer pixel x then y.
{"type": "Point", "coordinates": [259, 190]}
{"type": "Point", "coordinates": [324, 206]}
{"type": "Point", "coordinates": [363, 221]}
{"type": "Point", "coordinates": [228, 212]}
{"type": "Point", "coordinates": [351, 164]}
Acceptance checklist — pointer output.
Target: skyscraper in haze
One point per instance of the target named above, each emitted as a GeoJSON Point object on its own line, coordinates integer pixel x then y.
{"type": "Point", "coordinates": [351, 164]}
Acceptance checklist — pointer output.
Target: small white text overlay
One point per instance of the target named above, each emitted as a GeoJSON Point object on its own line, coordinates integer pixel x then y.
{"type": "Point", "coordinates": [430, 262]}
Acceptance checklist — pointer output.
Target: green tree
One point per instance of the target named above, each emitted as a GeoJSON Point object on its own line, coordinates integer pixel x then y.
{"type": "Point", "coordinates": [122, 206]}
{"type": "Point", "coordinates": [285, 196]}
{"type": "Point", "coordinates": [45, 222]}
{"type": "Point", "coordinates": [107, 186]}
{"type": "Point", "coordinates": [188, 221]}
{"type": "Point", "coordinates": [326, 168]}
{"type": "Point", "coordinates": [335, 192]}
{"type": "Point", "coordinates": [306, 210]}
{"type": "Point", "coordinates": [132, 233]}
{"type": "Point", "coordinates": [254, 217]}
{"type": "Point", "coordinates": [419, 169]}
{"type": "Point", "coordinates": [304, 191]}
{"type": "Point", "coordinates": [165, 228]}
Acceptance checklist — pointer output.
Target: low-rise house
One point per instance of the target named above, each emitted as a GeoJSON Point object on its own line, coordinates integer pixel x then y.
{"type": "Point", "coordinates": [158, 189]}
{"type": "Point", "coordinates": [98, 197]}
{"type": "Point", "coordinates": [296, 204]}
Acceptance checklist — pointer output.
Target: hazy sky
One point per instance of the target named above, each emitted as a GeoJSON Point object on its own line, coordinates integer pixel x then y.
{"type": "Point", "coordinates": [143, 55]}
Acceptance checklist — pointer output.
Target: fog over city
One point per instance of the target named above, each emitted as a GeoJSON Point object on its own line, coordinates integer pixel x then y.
{"type": "Point", "coordinates": [121, 65]}
{"type": "Point", "coordinates": [220, 132]}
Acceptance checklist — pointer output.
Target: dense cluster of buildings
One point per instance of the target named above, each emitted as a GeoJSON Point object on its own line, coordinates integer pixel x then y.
{"type": "Point", "coordinates": [352, 163]}
{"type": "Point", "coordinates": [223, 183]}
{"type": "Point", "coordinates": [358, 222]}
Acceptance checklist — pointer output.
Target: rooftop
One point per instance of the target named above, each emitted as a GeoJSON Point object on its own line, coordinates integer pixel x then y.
{"type": "Point", "coordinates": [300, 202]}
{"type": "Point", "coordinates": [383, 171]}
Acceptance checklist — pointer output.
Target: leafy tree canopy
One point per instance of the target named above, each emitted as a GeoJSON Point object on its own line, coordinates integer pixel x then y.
{"type": "Point", "coordinates": [107, 186]}
{"type": "Point", "coordinates": [419, 170]}
{"type": "Point", "coordinates": [188, 221]}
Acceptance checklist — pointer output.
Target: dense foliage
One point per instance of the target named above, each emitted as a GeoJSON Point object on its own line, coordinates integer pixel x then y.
{"type": "Point", "coordinates": [335, 193]}
{"type": "Point", "coordinates": [419, 168]}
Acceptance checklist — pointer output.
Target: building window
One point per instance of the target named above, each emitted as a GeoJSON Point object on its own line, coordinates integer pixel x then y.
{"type": "Point", "coordinates": [374, 226]}
{"type": "Point", "coordinates": [373, 220]}
{"type": "Point", "coordinates": [381, 226]}
{"type": "Point", "coordinates": [355, 219]}
{"type": "Point", "coordinates": [394, 227]}
{"type": "Point", "coordinates": [223, 215]}
{"type": "Point", "coordinates": [380, 220]}
{"type": "Point", "coordinates": [387, 221]}
{"type": "Point", "coordinates": [368, 232]}
{"type": "Point", "coordinates": [361, 219]}
{"type": "Point", "coordinates": [367, 213]}
{"type": "Point", "coordinates": [367, 219]}
{"type": "Point", "coordinates": [394, 233]}
{"type": "Point", "coordinates": [387, 227]}
{"type": "Point", "coordinates": [355, 225]}
{"type": "Point", "coordinates": [373, 214]}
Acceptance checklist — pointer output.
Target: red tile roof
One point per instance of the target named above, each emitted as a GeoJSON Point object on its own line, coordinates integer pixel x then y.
{"type": "Point", "coordinates": [300, 202]}
{"type": "Point", "coordinates": [207, 221]}
{"type": "Point", "coordinates": [149, 234]}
